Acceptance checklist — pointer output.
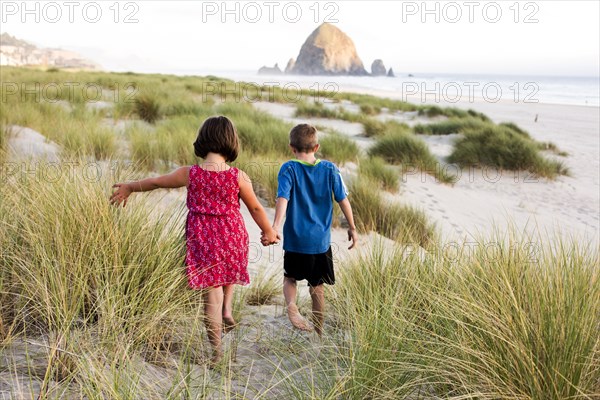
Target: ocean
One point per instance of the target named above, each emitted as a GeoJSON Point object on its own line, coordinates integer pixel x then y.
{"type": "Point", "coordinates": [441, 88]}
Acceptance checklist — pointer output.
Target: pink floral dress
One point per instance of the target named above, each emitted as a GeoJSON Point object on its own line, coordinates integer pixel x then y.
{"type": "Point", "coordinates": [217, 240]}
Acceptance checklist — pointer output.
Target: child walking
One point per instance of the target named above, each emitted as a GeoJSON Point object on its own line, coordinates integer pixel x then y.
{"type": "Point", "coordinates": [216, 237]}
{"type": "Point", "coordinates": [304, 195]}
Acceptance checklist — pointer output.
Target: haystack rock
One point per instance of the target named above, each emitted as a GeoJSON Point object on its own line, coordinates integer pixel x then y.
{"type": "Point", "coordinates": [391, 73]}
{"type": "Point", "coordinates": [275, 70]}
{"type": "Point", "coordinates": [290, 66]}
{"type": "Point", "coordinates": [377, 68]}
{"type": "Point", "coordinates": [328, 51]}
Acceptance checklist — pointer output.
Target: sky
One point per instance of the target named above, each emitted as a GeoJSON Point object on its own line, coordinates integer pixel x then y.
{"type": "Point", "coordinates": [547, 38]}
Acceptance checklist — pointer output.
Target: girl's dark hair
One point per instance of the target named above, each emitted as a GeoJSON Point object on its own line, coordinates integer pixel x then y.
{"type": "Point", "coordinates": [217, 135]}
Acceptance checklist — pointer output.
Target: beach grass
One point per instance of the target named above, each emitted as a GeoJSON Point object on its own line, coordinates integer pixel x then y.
{"type": "Point", "coordinates": [379, 171]}
{"type": "Point", "coordinates": [373, 127]}
{"type": "Point", "coordinates": [395, 221]}
{"type": "Point", "coordinates": [338, 148]}
{"type": "Point", "coordinates": [148, 108]}
{"type": "Point", "coordinates": [370, 110]}
{"type": "Point", "coordinates": [511, 317]}
{"type": "Point", "coordinates": [411, 152]}
{"type": "Point", "coordinates": [4, 134]}
{"type": "Point", "coordinates": [452, 112]}
{"type": "Point", "coordinates": [375, 101]}
{"type": "Point", "coordinates": [79, 131]}
{"type": "Point", "coordinates": [450, 126]}
{"type": "Point", "coordinates": [317, 109]}
{"type": "Point", "coordinates": [514, 322]}
{"type": "Point", "coordinates": [266, 287]}
{"type": "Point", "coordinates": [503, 148]}
{"type": "Point", "coordinates": [262, 171]}
{"type": "Point", "coordinates": [259, 132]}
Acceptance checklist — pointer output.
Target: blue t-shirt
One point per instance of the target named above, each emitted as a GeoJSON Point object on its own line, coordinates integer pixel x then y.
{"type": "Point", "coordinates": [309, 190]}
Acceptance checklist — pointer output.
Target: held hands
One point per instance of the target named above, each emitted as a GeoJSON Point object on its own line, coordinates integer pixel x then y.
{"type": "Point", "coordinates": [352, 236]}
{"type": "Point", "coordinates": [121, 194]}
{"type": "Point", "coordinates": [269, 238]}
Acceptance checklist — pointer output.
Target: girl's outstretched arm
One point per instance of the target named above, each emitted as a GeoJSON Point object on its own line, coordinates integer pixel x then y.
{"type": "Point", "coordinates": [256, 209]}
{"type": "Point", "coordinates": [176, 179]}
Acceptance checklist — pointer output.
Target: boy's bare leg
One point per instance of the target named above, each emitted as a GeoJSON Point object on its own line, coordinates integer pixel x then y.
{"type": "Point", "coordinates": [289, 292]}
{"type": "Point", "coordinates": [213, 319]}
{"type": "Point", "coordinates": [228, 321]}
{"type": "Point", "coordinates": [317, 293]}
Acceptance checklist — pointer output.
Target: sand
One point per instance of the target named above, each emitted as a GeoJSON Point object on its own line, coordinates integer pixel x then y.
{"type": "Point", "coordinates": [26, 143]}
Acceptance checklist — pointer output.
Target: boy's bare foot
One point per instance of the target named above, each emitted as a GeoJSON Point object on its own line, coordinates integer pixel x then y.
{"type": "Point", "coordinates": [298, 320]}
{"type": "Point", "coordinates": [228, 324]}
{"type": "Point", "coordinates": [318, 324]}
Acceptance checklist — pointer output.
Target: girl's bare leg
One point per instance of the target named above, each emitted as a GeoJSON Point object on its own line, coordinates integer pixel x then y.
{"type": "Point", "coordinates": [213, 317]}
{"type": "Point", "coordinates": [228, 321]}
{"type": "Point", "coordinates": [289, 292]}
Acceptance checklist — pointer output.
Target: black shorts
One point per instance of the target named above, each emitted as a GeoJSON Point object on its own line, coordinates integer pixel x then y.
{"type": "Point", "coordinates": [315, 268]}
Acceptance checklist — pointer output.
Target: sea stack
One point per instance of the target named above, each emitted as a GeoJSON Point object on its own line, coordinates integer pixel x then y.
{"type": "Point", "coordinates": [328, 51]}
{"type": "Point", "coordinates": [290, 66]}
{"type": "Point", "coordinates": [377, 68]}
{"type": "Point", "coordinates": [275, 70]}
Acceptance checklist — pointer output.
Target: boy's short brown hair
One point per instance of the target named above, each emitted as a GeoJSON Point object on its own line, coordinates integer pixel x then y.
{"type": "Point", "coordinates": [217, 135]}
{"type": "Point", "coordinates": [304, 138]}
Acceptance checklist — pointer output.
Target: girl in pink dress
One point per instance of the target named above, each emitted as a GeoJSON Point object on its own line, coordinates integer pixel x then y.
{"type": "Point", "coordinates": [217, 240]}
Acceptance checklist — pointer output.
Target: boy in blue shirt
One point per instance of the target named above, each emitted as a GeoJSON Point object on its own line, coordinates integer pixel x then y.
{"type": "Point", "coordinates": [306, 186]}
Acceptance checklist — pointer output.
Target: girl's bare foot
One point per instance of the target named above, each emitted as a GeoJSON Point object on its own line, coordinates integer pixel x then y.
{"type": "Point", "coordinates": [298, 320]}
{"type": "Point", "coordinates": [216, 358]}
{"type": "Point", "coordinates": [228, 324]}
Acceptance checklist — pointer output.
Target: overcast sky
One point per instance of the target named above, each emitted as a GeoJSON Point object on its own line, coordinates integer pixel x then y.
{"type": "Point", "coordinates": [548, 37]}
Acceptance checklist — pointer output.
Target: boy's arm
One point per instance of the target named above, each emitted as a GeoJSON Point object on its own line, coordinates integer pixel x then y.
{"type": "Point", "coordinates": [347, 211]}
{"type": "Point", "coordinates": [176, 179]}
{"type": "Point", "coordinates": [280, 209]}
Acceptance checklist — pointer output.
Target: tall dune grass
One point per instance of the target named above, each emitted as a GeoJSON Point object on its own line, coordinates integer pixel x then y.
{"type": "Point", "coordinates": [338, 148]}
{"type": "Point", "coordinates": [106, 283]}
{"type": "Point", "coordinates": [3, 140]}
{"type": "Point", "coordinates": [407, 149]}
{"type": "Point", "coordinates": [77, 130]}
{"type": "Point", "coordinates": [452, 125]}
{"type": "Point", "coordinates": [319, 110]}
{"type": "Point", "coordinates": [263, 171]}
{"type": "Point", "coordinates": [500, 147]}
{"type": "Point", "coordinates": [378, 170]}
{"type": "Point", "coordinates": [518, 322]}
{"type": "Point", "coordinates": [399, 222]}
{"type": "Point", "coordinates": [259, 132]}
{"type": "Point", "coordinates": [374, 127]}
